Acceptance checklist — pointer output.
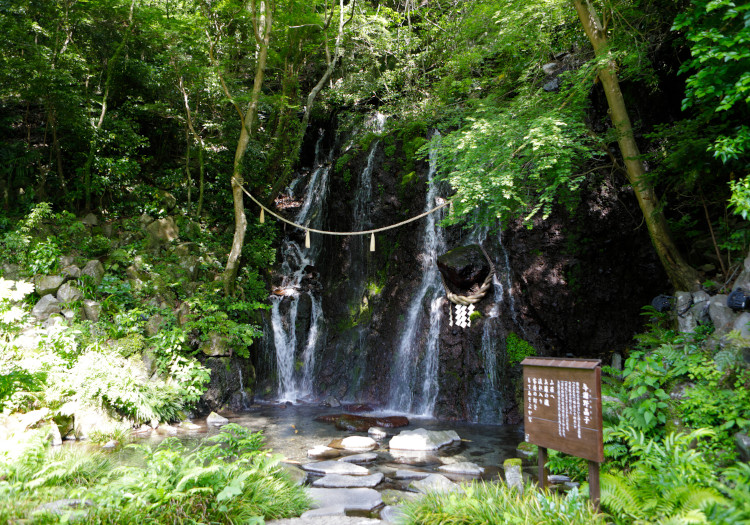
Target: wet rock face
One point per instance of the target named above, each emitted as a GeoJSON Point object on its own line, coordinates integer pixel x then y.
{"type": "Point", "coordinates": [464, 266]}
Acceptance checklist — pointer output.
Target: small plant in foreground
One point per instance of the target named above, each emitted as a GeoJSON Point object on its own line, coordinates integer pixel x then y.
{"type": "Point", "coordinates": [482, 502]}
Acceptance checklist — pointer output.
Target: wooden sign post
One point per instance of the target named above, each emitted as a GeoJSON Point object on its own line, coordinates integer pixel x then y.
{"type": "Point", "coordinates": [563, 411]}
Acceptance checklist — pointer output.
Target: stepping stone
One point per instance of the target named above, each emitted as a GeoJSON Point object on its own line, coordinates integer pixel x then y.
{"type": "Point", "coordinates": [410, 474]}
{"type": "Point", "coordinates": [216, 420]}
{"type": "Point", "coordinates": [464, 468]}
{"type": "Point", "coordinates": [334, 510]}
{"type": "Point", "coordinates": [367, 457]}
{"type": "Point", "coordinates": [557, 478]}
{"type": "Point", "coordinates": [423, 440]}
{"type": "Point", "coordinates": [336, 467]}
{"type": "Point", "coordinates": [358, 443]}
{"type": "Point", "coordinates": [377, 433]}
{"type": "Point", "coordinates": [338, 481]}
{"type": "Point", "coordinates": [296, 474]}
{"type": "Point", "coordinates": [326, 520]}
{"type": "Point", "coordinates": [434, 483]}
{"type": "Point", "coordinates": [350, 499]}
{"type": "Point", "coordinates": [323, 452]}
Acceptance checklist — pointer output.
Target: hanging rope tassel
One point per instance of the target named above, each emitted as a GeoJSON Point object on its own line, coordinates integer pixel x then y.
{"type": "Point", "coordinates": [307, 238]}
{"type": "Point", "coordinates": [262, 215]}
{"type": "Point", "coordinates": [372, 242]}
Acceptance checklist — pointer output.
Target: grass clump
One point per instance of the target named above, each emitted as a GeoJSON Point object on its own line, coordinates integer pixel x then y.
{"type": "Point", "coordinates": [481, 503]}
{"type": "Point", "coordinates": [227, 478]}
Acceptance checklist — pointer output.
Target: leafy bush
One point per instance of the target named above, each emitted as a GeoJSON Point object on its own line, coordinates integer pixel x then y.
{"type": "Point", "coordinates": [667, 481]}
{"type": "Point", "coordinates": [482, 503]}
{"type": "Point", "coordinates": [517, 349]}
{"type": "Point", "coordinates": [226, 479]}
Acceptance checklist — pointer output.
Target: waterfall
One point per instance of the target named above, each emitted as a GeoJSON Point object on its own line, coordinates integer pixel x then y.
{"type": "Point", "coordinates": [294, 383]}
{"type": "Point", "coordinates": [414, 384]}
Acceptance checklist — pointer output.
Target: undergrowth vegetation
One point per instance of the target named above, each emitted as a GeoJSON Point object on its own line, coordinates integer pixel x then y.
{"type": "Point", "coordinates": [670, 417]}
{"type": "Point", "coordinates": [227, 478]}
{"type": "Point", "coordinates": [480, 503]}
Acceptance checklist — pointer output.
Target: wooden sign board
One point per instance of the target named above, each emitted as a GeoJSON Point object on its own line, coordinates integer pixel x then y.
{"type": "Point", "coordinates": [563, 405]}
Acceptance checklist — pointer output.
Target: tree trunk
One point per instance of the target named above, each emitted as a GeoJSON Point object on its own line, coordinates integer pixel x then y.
{"type": "Point", "coordinates": [680, 273]}
{"type": "Point", "coordinates": [263, 37]}
{"type": "Point", "coordinates": [312, 96]}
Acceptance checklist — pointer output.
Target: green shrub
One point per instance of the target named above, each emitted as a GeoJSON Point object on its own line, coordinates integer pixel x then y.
{"type": "Point", "coordinates": [226, 479]}
{"type": "Point", "coordinates": [517, 349]}
{"type": "Point", "coordinates": [667, 481]}
{"type": "Point", "coordinates": [481, 503]}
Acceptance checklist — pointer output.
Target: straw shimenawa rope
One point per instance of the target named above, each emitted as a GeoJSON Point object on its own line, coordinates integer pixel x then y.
{"type": "Point", "coordinates": [477, 296]}
{"type": "Point", "coordinates": [454, 298]}
{"type": "Point", "coordinates": [363, 232]}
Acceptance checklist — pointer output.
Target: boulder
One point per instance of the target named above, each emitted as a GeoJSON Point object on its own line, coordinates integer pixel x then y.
{"type": "Point", "coordinates": [358, 443]}
{"type": "Point", "coordinates": [154, 324]}
{"type": "Point", "coordinates": [296, 474]}
{"type": "Point", "coordinates": [433, 483]}
{"type": "Point", "coordinates": [742, 325]}
{"type": "Point", "coordinates": [423, 440]}
{"type": "Point", "coordinates": [88, 419]}
{"type": "Point", "coordinates": [91, 310]}
{"type": "Point", "coordinates": [94, 270]}
{"type": "Point", "coordinates": [721, 315]}
{"type": "Point", "coordinates": [686, 323]}
{"type": "Point", "coordinates": [463, 468]}
{"type": "Point", "coordinates": [323, 452]}
{"type": "Point", "coordinates": [69, 294]}
{"type": "Point", "coordinates": [351, 499]}
{"type": "Point", "coordinates": [45, 307]}
{"type": "Point", "coordinates": [54, 436]}
{"type": "Point", "coordinates": [217, 345]}
{"type": "Point", "coordinates": [410, 474]}
{"type": "Point", "coordinates": [71, 272]}
{"type": "Point", "coordinates": [48, 284]}
{"type": "Point", "coordinates": [464, 266]}
{"type": "Point", "coordinates": [12, 272]}
{"type": "Point", "coordinates": [392, 514]}
{"type": "Point", "coordinates": [339, 481]}
{"type": "Point", "coordinates": [53, 321]}
{"type": "Point", "coordinates": [331, 401]}
{"type": "Point", "coordinates": [215, 420]}
{"type": "Point", "coordinates": [162, 232]}
{"type": "Point", "coordinates": [742, 441]}
{"type": "Point", "coordinates": [377, 433]}
{"type": "Point", "coordinates": [743, 279]}
{"type": "Point", "coordinates": [367, 457]}
{"type": "Point", "coordinates": [336, 467]}
{"type": "Point", "coordinates": [90, 220]}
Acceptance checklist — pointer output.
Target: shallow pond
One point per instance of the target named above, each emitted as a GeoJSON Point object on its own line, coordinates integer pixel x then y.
{"type": "Point", "coordinates": [291, 430]}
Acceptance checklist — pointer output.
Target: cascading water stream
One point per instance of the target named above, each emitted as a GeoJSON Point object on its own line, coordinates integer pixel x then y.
{"type": "Point", "coordinates": [293, 384]}
{"type": "Point", "coordinates": [414, 385]}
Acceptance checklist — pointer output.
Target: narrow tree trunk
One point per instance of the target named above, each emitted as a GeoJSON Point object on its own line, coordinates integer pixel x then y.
{"type": "Point", "coordinates": [103, 113]}
{"type": "Point", "coordinates": [680, 273]}
{"type": "Point", "coordinates": [263, 37]}
{"type": "Point", "coordinates": [313, 95]}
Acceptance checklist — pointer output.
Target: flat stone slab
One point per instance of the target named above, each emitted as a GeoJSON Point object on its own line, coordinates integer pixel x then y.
{"type": "Point", "coordinates": [557, 478]}
{"type": "Point", "coordinates": [358, 443]}
{"type": "Point", "coordinates": [410, 474]}
{"type": "Point", "coordinates": [326, 520]}
{"type": "Point", "coordinates": [434, 483]}
{"type": "Point", "coordinates": [350, 499]}
{"type": "Point", "coordinates": [338, 481]}
{"type": "Point", "coordinates": [367, 457]}
{"type": "Point", "coordinates": [465, 468]}
{"type": "Point", "coordinates": [336, 467]}
{"type": "Point", "coordinates": [334, 510]}
{"type": "Point", "coordinates": [423, 440]}
{"type": "Point", "coordinates": [323, 452]}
